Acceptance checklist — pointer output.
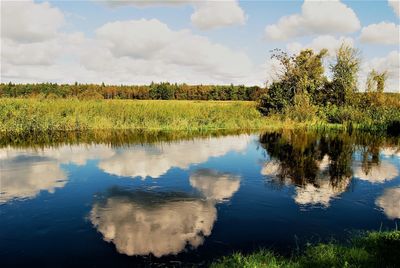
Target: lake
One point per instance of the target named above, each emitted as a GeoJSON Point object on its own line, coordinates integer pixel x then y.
{"type": "Point", "coordinates": [185, 201]}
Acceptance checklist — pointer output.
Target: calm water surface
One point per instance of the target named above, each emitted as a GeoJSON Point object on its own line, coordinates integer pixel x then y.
{"type": "Point", "coordinates": [184, 202]}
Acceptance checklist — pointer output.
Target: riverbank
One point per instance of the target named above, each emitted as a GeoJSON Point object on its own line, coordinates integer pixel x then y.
{"type": "Point", "coordinates": [26, 116]}
{"type": "Point", "coordinates": [373, 249]}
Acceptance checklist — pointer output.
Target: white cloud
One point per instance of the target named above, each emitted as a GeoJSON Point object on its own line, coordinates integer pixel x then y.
{"type": "Point", "coordinates": [323, 41]}
{"type": "Point", "coordinates": [149, 49]}
{"type": "Point", "coordinates": [390, 201]}
{"type": "Point", "coordinates": [322, 194]}
{"type": "Point", "coordinates": [153, 41]}
{"type": "Point", "coordinates": [155, 160]}
{"type": "Point", "coordinates": [391, 151]}
{"type": "Point", "coordinates": [137, 39]}
{"type": "Point", "coordinates": [24, 176]}
{"type": "Point", "coordinates": [395, 4]}
{"type": "Point", "coordinates": [215, 185]}
{"type": "Point", "coordinates": [161, 228]}
{"type": "Point", "coordinates": [315, 18]}
{"type": "Point", "coordinates": [271, 168]}
{"type": "Point", "coordinates": [322, 191]}
{"type": "Point", "coordinates": [26, 21]}
{"type": "Point", "coordinates": [389, 63]}
{"type": "Point", "coordinates": [381, 33]}
{"type": "Point", "coordinates": [147, 3]}
{"type": "Point", "coordinates": [377, 173]}
{"type": "Point", "coordinates": [215, 14]}
{"type": "Point", "coordinates": [208, 14]}
{"type": "Point", "coordinates": [26, 172]}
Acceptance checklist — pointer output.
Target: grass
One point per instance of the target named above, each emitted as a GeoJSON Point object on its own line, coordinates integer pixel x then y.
{"type": "Point", "coordinates": [23, 117]}
{"type": "Point", "coordinates": [19, 116]}
{"type": "Point", "coordinates": [34, 116]}
{"type": "Point", "coordinates": [373, 249]}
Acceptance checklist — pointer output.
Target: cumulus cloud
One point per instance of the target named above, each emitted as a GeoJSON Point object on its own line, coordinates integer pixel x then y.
{"type": "Point", "coordinates": [164, 224]}
{"type": "Point", "coordinates": [382, 33]}
{"type": "Point", "coordinates": [152, 40]}
{"type": "Point", "coordinates": [391, 151]}
{"type": "Point", "coordinates": [24, 176]}
{"type": "Point", "coordinates": [215, 185]}
{"type": "Point", "coordinates": [329, 42]}
{"type": "Point", "coordinates": [215, 14]}
{"type": "Point", "coordinates": [156, 160]}
{"type": "Point", "coordinates": [27, 22]}
{"type": "Point", "coordinates": [208, 14]}
{"type": "Point", "coordinates": [26, 172]}
{"type": "Point", "coordinates": [146, 3]}
{"type": "Point", "coordinates": [389, 63]}
{"type": "Point", "coordinates": [270, 168]}
{"type": "Point", "coordinates": [316, 17]}
{"type": "Point", "coordinates": [377, 173]}
{"type": "Point", "coordinates": [395, 5]}
{"type": "Point", "coordinates": [77, 154]}
{"type": "Point", "coordinates": [149, 49]}
{"type": "Point", "coordinates": [320, 193]}
{"type": "Point", "coordinates": [389, 202]}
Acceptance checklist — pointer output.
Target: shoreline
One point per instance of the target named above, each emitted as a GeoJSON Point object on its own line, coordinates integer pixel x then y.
{"type": "Point", "coordinates": [22, 117]}
{"type": "Point", "coordinates": [371, 249]}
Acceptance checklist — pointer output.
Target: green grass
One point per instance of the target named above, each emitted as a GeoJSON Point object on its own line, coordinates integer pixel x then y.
{"type": "Point", "coordinates": [23, 117]}
{"type": "Point", "coordinates": [373, 249]}
{"type": "Point", "coordinates": [20, 116]}
{"type": "Point", "coordinates": [33, 116]}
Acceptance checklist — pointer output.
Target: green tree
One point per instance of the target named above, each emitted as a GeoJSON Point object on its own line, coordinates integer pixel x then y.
{"type": "Point", "coordinates": [302, 74]}
{"type": "Point", "coordinates": [344, 82]}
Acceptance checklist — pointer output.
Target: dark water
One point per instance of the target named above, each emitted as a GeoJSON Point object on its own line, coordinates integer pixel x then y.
{"type": "Point", "coordinates": [184, 202]}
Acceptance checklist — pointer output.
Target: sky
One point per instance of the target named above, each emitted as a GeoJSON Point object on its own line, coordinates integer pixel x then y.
{"type": "Point", "coordinates": [187, 41]}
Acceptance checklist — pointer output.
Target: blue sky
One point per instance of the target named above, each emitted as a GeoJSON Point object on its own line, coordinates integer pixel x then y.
{"type": "Point", "coordinates": [188, 41]}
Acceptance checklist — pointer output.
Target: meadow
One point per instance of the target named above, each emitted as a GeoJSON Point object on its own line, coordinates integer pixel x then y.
{"type": "Point", "coordinates": [28, 116]}
{"type": "Point", "coordinates": [24, 116]}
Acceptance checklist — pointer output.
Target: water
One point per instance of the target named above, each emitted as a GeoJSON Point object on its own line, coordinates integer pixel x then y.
{"type": "Point", "coordinates": [184, 202]}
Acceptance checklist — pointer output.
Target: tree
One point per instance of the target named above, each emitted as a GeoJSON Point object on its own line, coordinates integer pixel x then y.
{"type": "Point", "coordinates": [344, 72]}
{"type": "Point", "coordinates": [376, 81]}
{"type": "Point", "coordinates": [302, 74]}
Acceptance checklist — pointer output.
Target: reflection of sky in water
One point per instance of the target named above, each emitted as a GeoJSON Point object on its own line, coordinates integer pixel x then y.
{"type": "Point", "coordinates": [140, 223]}
{"type": "Point", "coordinates": [390, 202]}
{"type": "Point", "coordinates": [156, 160]}
{"type": "Point", "coordinates": [164, 225]}
{"type": "Point", "coordinates": [201, 196]}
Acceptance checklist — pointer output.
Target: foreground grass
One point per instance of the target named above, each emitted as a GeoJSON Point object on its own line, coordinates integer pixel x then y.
{"type": "Point", "coordinates": [374, 249]}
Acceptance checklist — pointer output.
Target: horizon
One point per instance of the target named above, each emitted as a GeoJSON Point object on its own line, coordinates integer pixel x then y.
{"type": "Point", "coordinates": [139, 42]}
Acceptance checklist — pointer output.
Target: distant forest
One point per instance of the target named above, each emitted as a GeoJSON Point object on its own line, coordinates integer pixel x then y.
{"type": "Point", "coordinates": [155, 91]}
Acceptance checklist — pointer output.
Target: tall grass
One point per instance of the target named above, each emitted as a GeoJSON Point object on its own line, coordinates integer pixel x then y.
{"type": "Point", "coordinates": [21, 116]}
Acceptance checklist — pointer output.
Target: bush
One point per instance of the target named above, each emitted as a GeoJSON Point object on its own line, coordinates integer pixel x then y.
{"type": "Point", "coordinates": [339, 115]}
{"type": "Point", "coordinates": [302, 110]}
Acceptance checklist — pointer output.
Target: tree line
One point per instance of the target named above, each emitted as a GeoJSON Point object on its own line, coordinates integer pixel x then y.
{"type": "Point", "coordinates": [156, 91]}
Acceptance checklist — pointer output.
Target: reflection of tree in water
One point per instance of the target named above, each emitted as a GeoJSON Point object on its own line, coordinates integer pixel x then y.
{"type": "Point", "coordinates": [372, 168]}
{"type": "Point", "coordinates": [305, 158]}
{"type": "Point", "coordinates": [321, 166]}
